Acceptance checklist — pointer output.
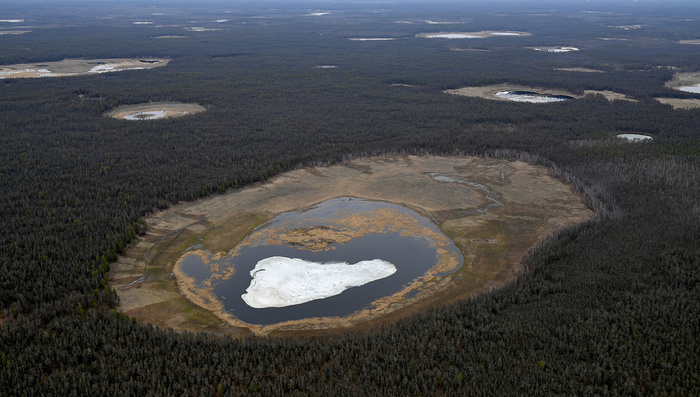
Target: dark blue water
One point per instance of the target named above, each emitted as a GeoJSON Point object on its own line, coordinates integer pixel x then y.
{"type": "Point", "coordinates": [412, 256]}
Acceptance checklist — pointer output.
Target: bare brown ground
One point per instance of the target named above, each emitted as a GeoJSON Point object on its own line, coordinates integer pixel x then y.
{"type": "Point", "coordinates": [610, 95]}
{"type": "Point", "coordinates": [77, 67]}
{"type": "Point", "coordinates": [683, 79]}
{"type": "Point", "coordinates": [679, 103]}
{"type": "Point", "coordinates": [489, 92]}
{"type": "Point", "coordinates": [492, 239]}
{"type": "Point", "coordinates": [582, 70]}
{"type": "Point", "coordinates": [171, 109]}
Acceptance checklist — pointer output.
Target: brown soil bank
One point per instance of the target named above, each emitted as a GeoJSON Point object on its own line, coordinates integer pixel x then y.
{"type": "Point", "coordinates": [494, 211]}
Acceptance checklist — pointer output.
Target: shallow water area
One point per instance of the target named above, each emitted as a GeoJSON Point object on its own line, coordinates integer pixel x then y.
{"type": "Point", "coordinates": [330, 259]}
{"type": "Point", "coordinates": [531, 97]}
{"type": "Point", "coordinates": [157, 114]}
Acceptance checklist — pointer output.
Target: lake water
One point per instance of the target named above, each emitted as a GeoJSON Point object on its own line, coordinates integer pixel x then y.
{"type": "Point", "coordinates": [532, 97]}
{"type": "Point", "coordinates": [412, 255]}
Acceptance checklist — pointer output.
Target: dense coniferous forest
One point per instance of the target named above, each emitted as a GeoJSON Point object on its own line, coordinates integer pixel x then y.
{"type": "Point", "coordinates": [608, 307]}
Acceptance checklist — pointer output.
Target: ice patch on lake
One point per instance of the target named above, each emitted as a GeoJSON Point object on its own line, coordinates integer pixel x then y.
{"type": "Point", "coordinates": [279, 281]}
{"type": "Point", "coordinates": [634, 137]}
{"type": "Point", "coordinates": [453, 36]}
{"type": "Point", "coordinates": [154, 114]}
{"type": "Point", "coordinates": [691, 88]}
{"type": "Point", "coordinates": [557, 49]}
{"type": "Point", "coordinates": [532, 98]}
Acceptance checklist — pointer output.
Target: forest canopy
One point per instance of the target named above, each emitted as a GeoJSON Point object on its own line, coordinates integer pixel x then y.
{"type": "Point", "coordinates": [610, 306]}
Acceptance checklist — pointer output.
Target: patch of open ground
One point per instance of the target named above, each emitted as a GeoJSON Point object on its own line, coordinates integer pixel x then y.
{"type": "Point", "coordinates": [582, 70]}
{"type": "Point", "coordinates": [679, 103]}
{"type": "Point", "coordinates": [489, 92]}
{"type": "Point", "coordinates": [683, 81]}
{"type": "Point", "coordinates": [610, 95]}
{"type": "Point", "coordinates": [76, 67]}
{"type": "Point", "coordinates": [154, 110]}
{"type": "Point", "coordinates": [4, 32]}
{"type": "Point", "coordinates": [468, 49]}
{"type": "Point", "coordinates": [494, 211]}
{"type": "Point", "coordinates": [554, 49]}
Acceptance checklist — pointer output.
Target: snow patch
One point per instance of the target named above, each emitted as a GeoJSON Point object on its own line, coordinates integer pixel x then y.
{"type": "Point", "coordinates": [530, 97]}
{"type": "Point", "coordinates": [150, 115]}
{"type": "Point", "coordinates": [279, 281]}
{"type": "Point", "coordinates": [634, 137]}
{"type": "Point", "coordinates": [691, 88]}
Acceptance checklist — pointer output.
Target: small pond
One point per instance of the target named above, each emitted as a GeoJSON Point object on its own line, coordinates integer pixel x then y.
{"type": "Point", "coordinates": [634, 137]}
{"type": "Point", "coordinates": [390, 244]}
{"type": "Point", "coordinates": [532, 97]}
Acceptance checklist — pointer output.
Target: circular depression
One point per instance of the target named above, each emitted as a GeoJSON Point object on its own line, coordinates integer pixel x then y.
{"type": "Point", "coordinates": [154, 111]}
{"type": "Point", "coordinates": [346, 230]}
{"type": "Point", "coordinates": [494, 210]}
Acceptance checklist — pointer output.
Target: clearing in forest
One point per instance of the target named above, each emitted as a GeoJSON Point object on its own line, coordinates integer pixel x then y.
{"type": "Point", "coordinates": [511, 92]}
{"type": "Point", "coordinates": [472, 35]}
{"type": "Point", "coordinates": [154, 110]}
{"type": "Point", "coordinates": [493, 211]}
{"type": "Point", "coordinates": [77, 67]}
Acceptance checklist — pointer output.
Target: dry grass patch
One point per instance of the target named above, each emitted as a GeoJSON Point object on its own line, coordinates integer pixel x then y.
{"type": "Point", "coordinates": [581, 70]}
{"type": "Point", "coordinates": [154, 110]}
{"type": "Point", "coordinates": [77, 67]}
{"type": "Point", "coordinates": [473, 35]}
{"type": "Point", "coordinates": [489, 92]}
{"type": "Point", "coordinates": [683, 80]}
{"type": "Point", "coordinates": [679, 103]}
{"type": "Point", "coordinates": [610, 95]}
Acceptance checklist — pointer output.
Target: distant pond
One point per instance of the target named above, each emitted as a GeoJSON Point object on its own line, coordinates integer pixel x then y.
{"type": "Point", "coordinates": [532, 97]}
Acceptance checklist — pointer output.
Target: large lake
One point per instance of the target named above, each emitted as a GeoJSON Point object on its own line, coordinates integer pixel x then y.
{"type": "Point", "coordinates": [410, 252]}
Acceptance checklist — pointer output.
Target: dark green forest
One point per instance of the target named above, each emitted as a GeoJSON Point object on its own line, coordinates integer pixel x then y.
{"type": "Point", "coordinates": [607, 307]}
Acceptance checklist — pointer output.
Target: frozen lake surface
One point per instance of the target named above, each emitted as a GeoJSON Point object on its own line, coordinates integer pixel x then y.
{"type": "Point", "coordinates": [634, 137]}
{"type": "Point", "coordinates": [691, 88]}
{"type": "Point", "coordinates": [281, 282]}
{"type": "Point", "coordinates": [532, 97]}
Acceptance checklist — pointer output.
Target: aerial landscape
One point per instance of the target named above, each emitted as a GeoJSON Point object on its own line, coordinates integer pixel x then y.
{"type": "Point", "coordinates": [349, 198]}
